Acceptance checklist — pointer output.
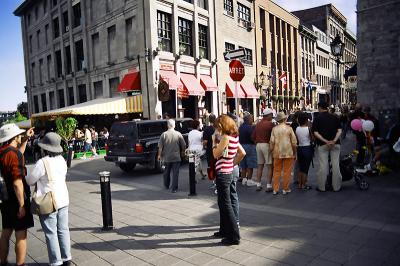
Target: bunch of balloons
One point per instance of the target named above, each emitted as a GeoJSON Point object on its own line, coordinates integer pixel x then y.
{"type": "Point", "coordinates": [362, 125]}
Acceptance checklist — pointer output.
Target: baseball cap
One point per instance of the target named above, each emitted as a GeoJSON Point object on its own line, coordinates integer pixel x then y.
{"type": "Point", "coordinates": [267, 111]}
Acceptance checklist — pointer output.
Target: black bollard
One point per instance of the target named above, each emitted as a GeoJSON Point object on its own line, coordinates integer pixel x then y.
{"type": "Point", "coordinates": [69, 157]}
{"type": "Point", "coordinates": [106, 200]}
{"type": "Point", "coordinates": [192, 174]}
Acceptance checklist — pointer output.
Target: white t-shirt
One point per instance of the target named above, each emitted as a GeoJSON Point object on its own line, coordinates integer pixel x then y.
{"type": "Point", "coordinates": [303, 136]}
{"type": "Point", "coordinates": [88, 136]}
{"type": "Point", "coordinates": [195, 138]}
{"type": "Point", "coordinates": [58, 168]}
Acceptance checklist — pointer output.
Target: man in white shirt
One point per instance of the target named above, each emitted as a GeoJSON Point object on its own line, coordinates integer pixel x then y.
{"type": "Point", "coordinates": [87, 140]}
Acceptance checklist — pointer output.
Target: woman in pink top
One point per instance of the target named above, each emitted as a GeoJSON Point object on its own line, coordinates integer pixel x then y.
{"type": "Point", "coordinates": [229, 153]}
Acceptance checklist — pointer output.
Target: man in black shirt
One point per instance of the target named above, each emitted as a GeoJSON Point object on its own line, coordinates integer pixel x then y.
{"type": "Point", "coordinates": [208, 131]}
{"type": "Point", "coordinates": [327, 131]}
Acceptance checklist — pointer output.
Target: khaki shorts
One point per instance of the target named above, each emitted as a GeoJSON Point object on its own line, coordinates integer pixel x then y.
{"type": "Point", "coordinates": [264, 155]}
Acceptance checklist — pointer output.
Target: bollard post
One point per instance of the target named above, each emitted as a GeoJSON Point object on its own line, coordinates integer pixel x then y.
{"type": "Point", "coordinates": [192, 174]}
{"type": "Point", "coordinates": [69, 157]}
{"type": "Point", "coordinates": [106, 206]}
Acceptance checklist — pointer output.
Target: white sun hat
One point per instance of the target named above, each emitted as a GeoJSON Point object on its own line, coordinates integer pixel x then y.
{"type": "Point", "coordinates": [9, 131]}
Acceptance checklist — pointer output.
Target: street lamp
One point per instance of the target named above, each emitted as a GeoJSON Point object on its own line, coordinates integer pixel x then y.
{"type": "Point", "coordinates": [337, 48]}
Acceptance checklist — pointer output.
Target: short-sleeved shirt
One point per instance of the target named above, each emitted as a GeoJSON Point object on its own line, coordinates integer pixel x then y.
{"type": "Point", "coordinates": [88, 136]}
{"type": "Point", "coordinates": [195, 139]}
{"type": "Point", "coordinates": [326, 125]}
{"type": "Point", "coordinates": [171, 144]}
{"type": "Point", "coordinates": [283, 140]}
{"type": "Point", "coordinates": [262, 132]}
{"type": "Point", "coordinates": [245, 134]}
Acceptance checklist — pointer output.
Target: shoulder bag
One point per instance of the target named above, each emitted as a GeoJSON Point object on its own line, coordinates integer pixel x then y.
{"type": "Point", "coordinates": [45, 204]}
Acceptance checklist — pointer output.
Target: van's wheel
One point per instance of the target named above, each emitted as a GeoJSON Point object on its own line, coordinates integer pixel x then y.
{"type": "Point", "coordinates": [127, 167]}
{"type": "Point", "coordinates": [159, 166]}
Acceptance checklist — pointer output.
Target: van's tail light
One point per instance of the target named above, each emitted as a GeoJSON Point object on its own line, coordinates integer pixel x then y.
{"type": "Point", "coordinates": [106, 147]}
{"type": "Point", "coordinates": [138, 148]}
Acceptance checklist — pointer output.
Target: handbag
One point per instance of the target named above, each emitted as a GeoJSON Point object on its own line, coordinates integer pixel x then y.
{"type": "Point", "coordinates": [211, 172]}
{"type": "Point", "coordinates": [45, 204]}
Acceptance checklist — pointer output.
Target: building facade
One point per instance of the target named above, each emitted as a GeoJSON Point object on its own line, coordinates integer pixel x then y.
{"type": "Point", "coordinates": [329, 19]}
{"type": "Point", "coordinates": [308, 63]}
{"type": "Point", "coordinates": [378, 64]}
{"type": "Point", "coordinates": [278, 53]}
{"type": "Point", "coordinates": [234, 25]}
{"type": "Point", "coordinates": [81, 50]}
{"type": "Point", "coordinates": [350, 62]}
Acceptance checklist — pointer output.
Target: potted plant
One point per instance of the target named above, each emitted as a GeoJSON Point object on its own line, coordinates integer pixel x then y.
{"type": "Point", "coordinates": [65, 127]}
{"type": "Point", "coordinates": [274, 98]}
{"type": "Point", "coordinates": [291, 98]}
{"type": "Point", "coordinates": [286, 97]}
{"type": "Point", "coordinates": [280, 98]}
{"type": "Point", "coordinates": [296, 98]}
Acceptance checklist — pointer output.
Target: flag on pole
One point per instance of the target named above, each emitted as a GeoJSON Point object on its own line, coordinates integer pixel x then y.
{"type": "Point", "coordinates": [283, 79]}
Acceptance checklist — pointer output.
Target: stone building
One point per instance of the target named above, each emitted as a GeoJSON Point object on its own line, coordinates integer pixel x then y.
{"type": "Point", "coordinates": [378, 61]}
{"type": "Point", "coordinates": [308, 62]}
{"type": "Point", "coordinates": [234, 27]}
{"type": "Point", "coordinates": [322, 65]}
{"type": "Point", "coordinates": [329, 19]}
{"type": "Point", "coordinates": [278, 53]}
{"type": "Point", "coordinates": [81, 50]}
{"type": "Point", "coordinates": [350, 64]}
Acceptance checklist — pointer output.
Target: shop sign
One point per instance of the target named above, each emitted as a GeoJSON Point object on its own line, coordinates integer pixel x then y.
{"type": "Point", "coordinates": [163, 91]}
{"type": "Point", "coordinates": [167, 67]}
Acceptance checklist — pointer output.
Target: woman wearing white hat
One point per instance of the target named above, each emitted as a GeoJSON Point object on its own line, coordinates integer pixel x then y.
{"type": "Point", "coordinates": [15, 206]}
{"type": "Point", "coordinates": [55, 225]}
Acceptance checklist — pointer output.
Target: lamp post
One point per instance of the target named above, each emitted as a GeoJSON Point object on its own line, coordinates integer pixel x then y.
{"type": "Point", "coordinates": [337, 48]}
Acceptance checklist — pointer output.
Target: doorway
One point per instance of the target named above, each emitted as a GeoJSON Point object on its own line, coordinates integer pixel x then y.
{"type": "Point", "coordinates": [190, 105]}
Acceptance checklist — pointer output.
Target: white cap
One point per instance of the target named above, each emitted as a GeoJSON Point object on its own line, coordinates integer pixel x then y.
{"type": "Point", "coordinates": [9, 131]}
{"type": "Point", "coordinates": [267, 111]}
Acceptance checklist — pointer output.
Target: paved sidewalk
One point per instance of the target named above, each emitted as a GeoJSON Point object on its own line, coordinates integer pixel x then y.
{"type": "Point", "coordinates": [155, 227]}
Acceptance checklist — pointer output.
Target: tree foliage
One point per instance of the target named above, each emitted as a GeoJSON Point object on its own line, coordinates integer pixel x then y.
{"type": "Point", "coordinates": [65, 127]}
{"type": "Point", "coordinates": [17, 118]}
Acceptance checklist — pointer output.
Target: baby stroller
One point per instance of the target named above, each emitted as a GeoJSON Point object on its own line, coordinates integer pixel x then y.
{"type": "Point", "coordinates": [348, 172]}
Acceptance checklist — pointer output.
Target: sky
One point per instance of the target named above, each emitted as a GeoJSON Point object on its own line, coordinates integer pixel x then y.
{"type": "Point", "coordinates": [12, 73]}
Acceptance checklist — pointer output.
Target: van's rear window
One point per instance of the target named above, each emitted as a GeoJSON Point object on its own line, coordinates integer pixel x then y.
{"type": "Point", "coordinates": [151, 129]}
{"type": "Point", "coordinates": [122, 130]}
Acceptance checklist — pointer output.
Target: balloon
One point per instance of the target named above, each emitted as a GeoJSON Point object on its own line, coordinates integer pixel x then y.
{"type": "Point", "coordinates": [368, 126]}
{"type": "Point", "coordinates": [356, 124]}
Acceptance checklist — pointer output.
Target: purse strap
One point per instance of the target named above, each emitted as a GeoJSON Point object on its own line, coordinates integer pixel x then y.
{"type": "Point", "coordinates": [48, 172]}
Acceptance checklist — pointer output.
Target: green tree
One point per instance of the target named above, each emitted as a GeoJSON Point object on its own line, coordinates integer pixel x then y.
{"type": "Point", "coordinates": [65, 127]}
{"type": "Point", "coordinates": [17, 118]}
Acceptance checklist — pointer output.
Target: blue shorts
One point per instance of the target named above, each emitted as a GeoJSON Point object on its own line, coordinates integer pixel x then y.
{"type": "Point", "coordinates": [87, 147]}
{"type": "Point", "coordinates": [250, 160]}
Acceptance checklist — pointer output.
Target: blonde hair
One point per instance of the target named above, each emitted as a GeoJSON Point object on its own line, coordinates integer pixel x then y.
{"type": "Point", "coordinates": [226, 125]}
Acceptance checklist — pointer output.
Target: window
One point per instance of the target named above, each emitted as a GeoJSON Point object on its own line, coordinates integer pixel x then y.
{"type": "Point", "coordinates": [33, 73]}
{"type": "Point", "coordinates": [65, 22]}
{"type": "Point", "coordinates": [71, 98]}
{"type": "Point", "coordinates": [29, 19]}
{"type": "Point", "coordinates": [54, 3]}
{"type": "Point", "coordinates": [76, 9]}
{"type": "Point", "coordinates": [129, 32]}
{"type": "Point", "coordinates": [229, 47]}
{"type": "Point", "coordinates": [49, 67]}
{"type": "Point", "coordinates": [228, 7]}
{"type": "Point", "coordinates": [68, 67]}
{"type": "Point", "coordinates": [248, 58]}
{"type": "Point", "coordinates": [96, 49]}
{"type": "Point", "coordinates": [30, 43]}
{"type": "Point", "coordinates": [44, 6]}
{"type": "Point", "coordinates": [46, 33]}
{"type": "Point", "coordinates": [51, 100]}
{"type": "Point", "coordinates": [202, 4]}
{"type": "Point", "coordinates": [113, 84]}
{"type": "Point", "coordinates": [44, 102]}
{"type": "Point", "coordinates": [40, 71]}
{"type": "Point", "coordinates": [56, 28]}
{"type": "Point", "coordinates": [36, 13]}
{"type": "Point", "coordinates": [109, 5]}
{"type": "Point", "coordinates": [98, 89]}
{"type": "Point", "coordinates": [185, 36]}
{"type": "Point", "coordinates": [203, 41]}
{"type": "Point", "coordinates": [80, 58]}
{"type": "Point", "coordinates": [244, 13]}
{"type": "Point", "coordinates": [61, 99]}
{"type": "Point", "coordinates": [164, 31]}
{"type": "Point", "coordinates": [38, 40]}
{"type": "Point", "coordinates": [36, 103]}
{"type": "Point", "coordinates": [111, 44]}
{"type": "Point", "coordinates": [58, 64]}
{"type": "Point", "coordinates": [188, 1]}
{"type": "Point", "coordinates": [82, 93]}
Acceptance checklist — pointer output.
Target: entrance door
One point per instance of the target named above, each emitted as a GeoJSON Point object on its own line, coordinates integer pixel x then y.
{"type": "Point", "coordinates": [170, 105]}
{"type": "Point", "coordinates": [190, 105]}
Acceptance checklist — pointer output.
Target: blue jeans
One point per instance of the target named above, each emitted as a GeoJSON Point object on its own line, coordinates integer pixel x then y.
{"type": "Point", "coordinates": [228, 221]}
{"type": "Point", "coordinates": [234, 195]}
{"type": "Point", "coordinates": [56, 231]}
{"type": "Point", "coordinates": [174, 166]}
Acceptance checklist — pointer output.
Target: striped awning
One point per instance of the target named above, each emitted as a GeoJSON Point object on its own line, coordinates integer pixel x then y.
{"type": "Point", "coordinates": [104, 106]}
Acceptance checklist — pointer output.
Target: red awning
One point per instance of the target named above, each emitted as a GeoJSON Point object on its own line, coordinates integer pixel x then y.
{"type": "Point", "coordinates": [171, 79]}
{"type": "Point", "coordinates": [250, 91]}
{"type": "Point", "coordinates": [130, 82]}
{"type": "Point", "coordinates": [192, 85]}
{"type": "Point", "coordinates": [208, 83]}
{"type": "Point", "coordinates": [230, 90]}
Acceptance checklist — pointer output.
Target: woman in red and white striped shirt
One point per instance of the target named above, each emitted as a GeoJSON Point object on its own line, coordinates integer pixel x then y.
{"type": "Point", "coordinates": [228, 153]}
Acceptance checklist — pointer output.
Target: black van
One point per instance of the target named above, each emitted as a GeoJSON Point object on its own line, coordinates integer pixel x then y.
{"type": "Point", "coordinates": [136, 142]}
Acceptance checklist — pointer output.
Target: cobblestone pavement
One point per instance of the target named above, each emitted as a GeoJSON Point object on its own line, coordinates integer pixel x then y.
{"type": "Point", "coordinates": [155, 227]}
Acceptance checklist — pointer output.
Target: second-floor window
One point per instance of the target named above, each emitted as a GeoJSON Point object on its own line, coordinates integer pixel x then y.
{"type": "Point", "coordinates": [185, 37]}
{"type": "Point", "coordinates": [80, 58]}
{"type": "Point", "coordinates": [229, 47]}
{"type": "Point", "coordinates": [202, 4]}
{"type": "Point", "coordinates": [203, 41]}
{"type": "Point", "coordinates": [76, 9]}
{"type": "Point", "coordinates": [56, 28]}
{"type": "Point", "coordinates": [248, 58]}
{"type": "Point", "coordinates": [244, 13]}
{"type": "Point", "coordinates": [228, 7]}
{"type": "Point", "coordinates": [164, 31]}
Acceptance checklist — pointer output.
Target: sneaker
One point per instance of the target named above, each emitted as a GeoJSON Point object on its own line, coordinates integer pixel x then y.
{"type": "Point", "coordinates": [251, 183]}
{"type": "Point", "coordinates": [269, 188]}
{"type": "Point", "coordinates": [259, 187]}
{"type": "Point", "coordinates": [244, 181]}
{"type": "Point", "coordinates": [275, 193]}
{"type": "Point", "coordinates": [284, 192]}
